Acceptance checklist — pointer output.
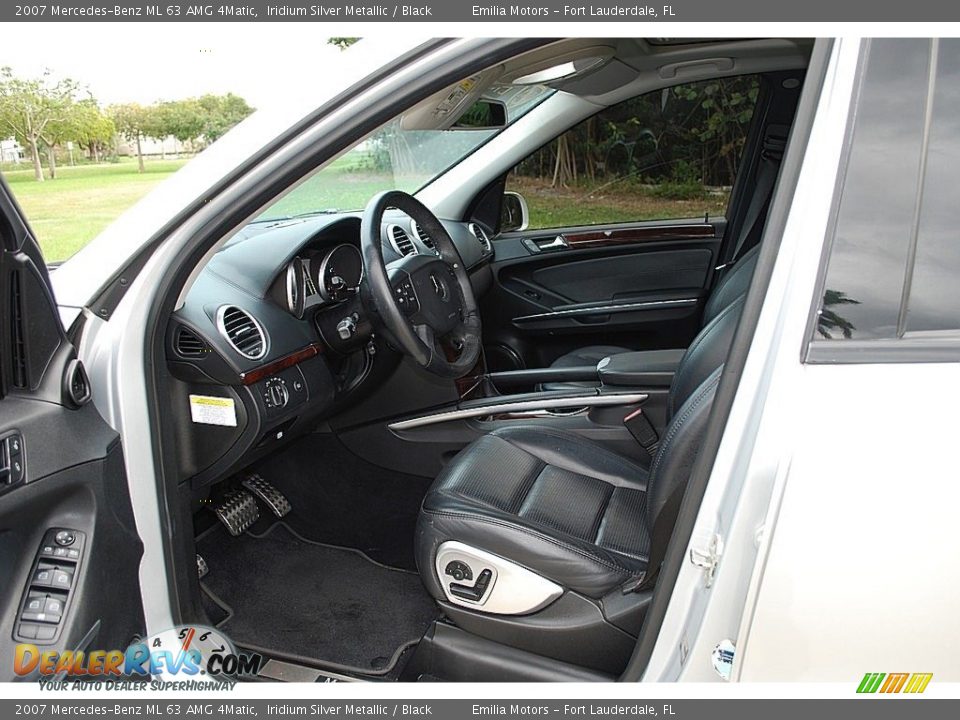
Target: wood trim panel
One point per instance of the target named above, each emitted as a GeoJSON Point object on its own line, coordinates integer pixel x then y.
{"type": "Point", "coordinates": [287, 361]}
{"type": "Point", "coordinates": [628, 236]}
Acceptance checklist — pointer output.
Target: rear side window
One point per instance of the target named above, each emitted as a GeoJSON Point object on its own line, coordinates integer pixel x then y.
{"type": "Point", "coordinates": [893, 271]}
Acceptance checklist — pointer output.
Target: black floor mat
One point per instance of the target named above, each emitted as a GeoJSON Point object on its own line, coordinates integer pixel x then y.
{"type": "Point", "coordinates": [341, 499]}
{"type": "Point", "coordinates": [314, 602]}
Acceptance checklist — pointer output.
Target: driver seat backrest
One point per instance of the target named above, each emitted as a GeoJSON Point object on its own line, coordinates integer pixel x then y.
{"type": "Point", "coordinates": [688, 407]}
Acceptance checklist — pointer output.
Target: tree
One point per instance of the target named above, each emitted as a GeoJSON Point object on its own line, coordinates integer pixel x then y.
{"type": "Point", "coordinates": [134, 122]}
{"type": "Point", "coordinates": [182, 119]}
{"type": "Point", "coordinates": [34, 111]}
{"type": "Point", "coordinates": [219, 113]}
{"type": "Point", "coordinates": [342, 42]}
{"type": "Point", "coordinates": [93, 129]}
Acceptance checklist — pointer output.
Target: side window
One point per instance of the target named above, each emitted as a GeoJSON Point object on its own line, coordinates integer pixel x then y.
{"type": "Point", "coordinates": [894, 267]}
{"type": "Point", "coordinates": [668, 154]}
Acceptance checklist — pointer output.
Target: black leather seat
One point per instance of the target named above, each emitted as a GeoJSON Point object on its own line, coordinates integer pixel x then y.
{"type": "Point", "coordinates": [731, 286]}
{"type": "Point", "coordinates": [563, 507]}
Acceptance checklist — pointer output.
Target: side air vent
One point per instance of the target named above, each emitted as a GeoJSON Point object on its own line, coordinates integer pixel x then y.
{"type": "Point", "coordinates": [17, 345]}
{"type": "Point", "coordinates": [77, 384]}
{"type": "Point", "coordinates": [481, 235]}
{"type": "Point", "coordinates": [421, 234]}
{"type": "Point", "coordinates": [400, 240]}
{"type": "Point", "coordinates": [242, 331]}
{"type": "Point", "coordinates": [188, 344]}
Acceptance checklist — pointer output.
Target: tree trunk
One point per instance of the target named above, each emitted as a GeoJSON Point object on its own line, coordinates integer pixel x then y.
{"type": "Point", "coordinates": [139, 154]}
{"type": "Point", "coordinates": [564, 169]}
{"type": "Point", "coordinates": [52, 162]}
{"type": "Point", "coordinates": [35, 156]}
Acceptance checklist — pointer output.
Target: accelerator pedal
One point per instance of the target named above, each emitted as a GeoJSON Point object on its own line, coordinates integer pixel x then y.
{"type": "Point", "coordinates": [271, 497]}
{"type": "Point", "coordinates": [238, 511]}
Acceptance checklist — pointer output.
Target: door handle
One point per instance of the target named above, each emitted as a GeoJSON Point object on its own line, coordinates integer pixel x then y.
{"type": "Point", "coordinates": [558, 243]}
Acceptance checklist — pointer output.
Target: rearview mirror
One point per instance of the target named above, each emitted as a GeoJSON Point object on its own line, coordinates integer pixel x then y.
{"type": "Point", "coordinates": [514, 214]}
{"type": "Point", "coordinates": [483, 115]}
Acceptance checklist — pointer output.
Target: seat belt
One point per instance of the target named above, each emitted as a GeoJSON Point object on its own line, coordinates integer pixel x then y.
{"type": "Point", "coordinates": [774, 143]}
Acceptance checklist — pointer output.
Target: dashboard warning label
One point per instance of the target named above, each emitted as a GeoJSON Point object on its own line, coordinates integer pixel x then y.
{"type": "Point", "coordinates": [209, 410]}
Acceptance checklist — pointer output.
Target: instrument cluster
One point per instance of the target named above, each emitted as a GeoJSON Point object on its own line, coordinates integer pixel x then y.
{"type": "Point", "coordinates": [322, 277]}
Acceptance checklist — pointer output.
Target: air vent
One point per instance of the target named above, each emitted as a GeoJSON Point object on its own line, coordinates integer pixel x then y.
{"type": "Point", "coordinates": [480, 234]}
{"type": "Point", "coordinates": [242, 331]}
{"type": "Point", "coordinates": [422, 235]}
{"type": "Point", "coordinates": [188, 344]}
{"type": "Point", "coordinates": [19, 364]}
{"type": "Point", "coordinates": [77, 383]}
{"type": "Point", "coordinates": [400, 240]}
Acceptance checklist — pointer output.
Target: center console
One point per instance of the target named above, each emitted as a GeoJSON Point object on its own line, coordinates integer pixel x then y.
{"type": "Point", "coordinates": [602, 402]}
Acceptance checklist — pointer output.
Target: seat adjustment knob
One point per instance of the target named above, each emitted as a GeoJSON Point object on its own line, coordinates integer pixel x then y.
{"type": "Point", "coordinates": [458, 570]}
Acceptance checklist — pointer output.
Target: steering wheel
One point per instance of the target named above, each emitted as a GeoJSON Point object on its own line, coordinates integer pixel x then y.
{"type": "Point", "coordinates": [424, 302]}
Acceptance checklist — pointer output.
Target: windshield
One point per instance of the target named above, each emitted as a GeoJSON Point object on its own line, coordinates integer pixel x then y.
{"type": "Point", "coordinates": [396, 158]}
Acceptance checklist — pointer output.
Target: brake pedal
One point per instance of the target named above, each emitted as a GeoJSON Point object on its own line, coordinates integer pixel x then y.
{"type": "Point", "coordinates": [271, 497]}
{"type": "Point", "coordinates": [238, 511]}
{"type": "Point", "coordinates": [202, 567]}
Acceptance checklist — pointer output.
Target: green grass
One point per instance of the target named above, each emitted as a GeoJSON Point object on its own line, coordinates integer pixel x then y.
{"type": "Point", "coordinates": [346, 184]}
{"type": "Point", "coordinates": [562, 207]}
{"type": "Point", "coordinates": [70, 211]}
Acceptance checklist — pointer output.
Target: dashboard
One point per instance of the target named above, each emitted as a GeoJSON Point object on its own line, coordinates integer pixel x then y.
{"type": "Point", "coordinates": [274, 332]}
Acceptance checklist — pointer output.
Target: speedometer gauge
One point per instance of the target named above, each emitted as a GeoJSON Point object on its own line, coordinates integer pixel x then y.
{"type": "Point", "coordinates": [340, 273]}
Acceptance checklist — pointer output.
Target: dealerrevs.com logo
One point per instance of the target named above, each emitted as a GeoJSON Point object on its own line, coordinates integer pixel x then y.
{"type": "Point", "coordinates": [191, 657]}
{"type": "Point", "coordinates": [889, 683]}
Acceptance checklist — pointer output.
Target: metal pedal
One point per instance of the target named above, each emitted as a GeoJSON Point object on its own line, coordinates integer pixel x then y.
{"type": "Point", "coordinates": [202, 567]}
{"type": "Point", "coordinates": [238, 511]}
{"type": "Point", "coordinates": [271, 497]}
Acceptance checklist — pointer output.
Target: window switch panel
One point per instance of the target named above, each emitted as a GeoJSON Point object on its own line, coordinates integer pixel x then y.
{"type": "Point", "coordinates": [46, 599]}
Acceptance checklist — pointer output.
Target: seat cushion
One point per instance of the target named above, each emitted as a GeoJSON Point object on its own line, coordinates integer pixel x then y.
{"type": "Point", "coordinates": [551, 501]}
{"type": "Point", "coordinates": [582, 357]}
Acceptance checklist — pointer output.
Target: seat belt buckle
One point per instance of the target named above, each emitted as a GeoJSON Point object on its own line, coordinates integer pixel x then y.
{"type": "Point", "coordinates": [642, 430]}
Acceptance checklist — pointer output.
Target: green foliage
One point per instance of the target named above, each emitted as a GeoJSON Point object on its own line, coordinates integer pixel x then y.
{"type": "Point", "coordinates": [686, 136]}
{"type": "Point", "coordinates": [36, 111]}
{"type": "Point", "coordinates": [90, 125]}
{"type": "Point", "coordinates": [219, 113]}
{"type": "Point", "coordinates": [182, 119]}
{"type": "Point", "coordinates": [342, 42]}
{"type": "Point", "coordinates": [132, 120]}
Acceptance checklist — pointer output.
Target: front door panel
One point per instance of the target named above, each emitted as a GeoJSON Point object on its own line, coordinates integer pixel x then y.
{"type": "Point", "coordinates": [69, 549]}
{"type": "Point", "coordinates": [641, 287]}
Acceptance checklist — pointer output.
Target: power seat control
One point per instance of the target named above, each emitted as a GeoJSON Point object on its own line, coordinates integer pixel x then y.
{"type": "Point", "coordinates": [51, 584]}
{"type": "Point", "coordinates": [476, 592]}
{"type": "Point", "coordinates": [459, 570]}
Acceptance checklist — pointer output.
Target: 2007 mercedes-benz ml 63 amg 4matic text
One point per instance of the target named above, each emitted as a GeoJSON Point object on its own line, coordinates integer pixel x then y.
{"type": "Point", "coordinates": [364, 388]}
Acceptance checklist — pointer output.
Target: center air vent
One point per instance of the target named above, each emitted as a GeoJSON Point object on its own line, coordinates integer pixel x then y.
{"type": "Point", "coordinates": [480, 234]}
{"type": "Point", "coordinates": [188, 344]}
{"type": "Point", "coordinates": [421, 234]}
{"type": "Point", "coordinates": [400, 240]}
{"type": "Point", "coordinates": [242, 331]}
